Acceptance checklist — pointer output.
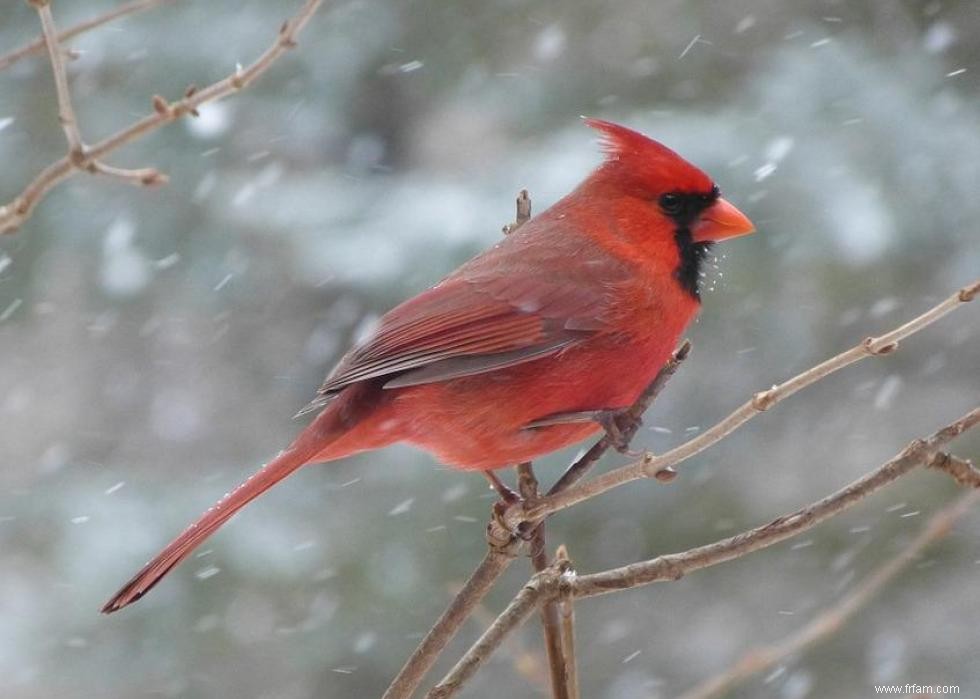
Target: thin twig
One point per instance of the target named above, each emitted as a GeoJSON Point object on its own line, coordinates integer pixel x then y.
{"type": "Point", "coordinates": [147, 176]}
{"type": "Point", "coordinates": [473, 591]}
{"type": "Point", "coordinates": [673, 566]}
{"type": "Point", "coordinates": [20, 209]}
{"type": "Point", "coordinates": [520, 512]}
{"type": "Point", "coordinates": [37, 45]}
{"type": "Point", "coordinates": [528, 486]}
{"type": "Point", "coordinates": [66, 111]}
{"type": "Point", "coordinates": [566, 615]}
{"type": "Point", "coordinates": [528, 663]}
{"type": "Point", "coordinates": [831, 620]}
{"type": "Point", "coordinates": [540, 586]}
{"type": "Point", "coordinates": [545, 585]}
{"type": "Point", "coordinates": [66, 114]}
{"type": "Point", "coordinates": [962, 471]}
{"type": "Point", "coordinates": [523, 212]}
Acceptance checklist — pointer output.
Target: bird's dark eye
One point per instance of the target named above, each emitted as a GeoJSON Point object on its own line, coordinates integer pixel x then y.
{"type": "Point", "coordinates": [671, 203]}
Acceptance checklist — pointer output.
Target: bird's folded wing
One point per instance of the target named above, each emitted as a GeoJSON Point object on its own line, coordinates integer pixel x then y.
{"type": "Point", "coordinates": [468, 326]}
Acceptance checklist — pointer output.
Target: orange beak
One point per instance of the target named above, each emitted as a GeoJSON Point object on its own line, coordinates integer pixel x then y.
{"type": "Point", "coordinates": [721, 221]}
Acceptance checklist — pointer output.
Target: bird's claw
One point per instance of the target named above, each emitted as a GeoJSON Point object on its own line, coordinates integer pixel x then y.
{"type": "Point", "coordinates": [620, 427]}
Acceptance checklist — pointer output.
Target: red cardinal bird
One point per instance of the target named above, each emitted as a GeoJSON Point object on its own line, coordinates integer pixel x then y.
{"type": "Point", "coordinates": [527, 347]}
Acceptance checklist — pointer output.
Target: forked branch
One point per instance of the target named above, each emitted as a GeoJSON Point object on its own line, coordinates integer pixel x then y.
{"type": "Point", "coordinates": [546, 586]}
{"type": "Point", "coordinates": [87, 159]}
{"type": "Point", "coordinates": [38, 45]}
{"type": "Point", "coordinates": [557, 661]}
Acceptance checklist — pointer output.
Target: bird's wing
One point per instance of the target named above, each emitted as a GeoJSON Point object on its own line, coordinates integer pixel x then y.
{"type": "Point", "coordinates": [478, 320]}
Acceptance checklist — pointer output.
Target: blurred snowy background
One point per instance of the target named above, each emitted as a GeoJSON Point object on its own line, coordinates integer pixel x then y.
{"type": "Point", "coordinates": [156, 342]}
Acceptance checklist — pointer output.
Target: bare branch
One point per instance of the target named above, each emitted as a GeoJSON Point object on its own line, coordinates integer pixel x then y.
{"type": "Point", "coordinates": [673, 566]}
{"type": "Point", "coordinates": [542, 585]}
{"type": "Point", "coordinates": [546, 584]}
{"type": "Point", "coordinates": [66, 114]}
{"type": "Point", "coordinates": [528, 486]}
{"type": "Point", "coordinates": [651, 465]}
{"type": "Point", "coordinates": [566, 615]}
{"type": "Point", "coordinates": [20, 209]}
{"type": "Point", "coordinates": [145, 177]}
{"type": "Point", "coordinates": [77, 151]}
{"type": "Point", "coordinates": [474, 590]}
{"type": "Point", "coordinates": [831, 620]}
{"type": "Point", "coordinates": [523, 212]}
{"type": "Point", "coordinates": [37, 45]}
{"type": "Point", "coordinates": [962, 471]}
{"type": "Point", "coordinates": [528, 663]}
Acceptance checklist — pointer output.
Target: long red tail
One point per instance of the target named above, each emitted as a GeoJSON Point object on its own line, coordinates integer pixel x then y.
{"type": "Point", "coordinates": [329, 426]}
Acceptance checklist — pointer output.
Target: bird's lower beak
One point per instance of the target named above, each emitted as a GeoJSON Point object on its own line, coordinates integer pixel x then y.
{"type": "Point", "coordinates": [721, 221]}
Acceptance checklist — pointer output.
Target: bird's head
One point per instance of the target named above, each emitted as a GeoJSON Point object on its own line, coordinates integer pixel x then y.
{"type": "Point", "coordinates": [643, 168]}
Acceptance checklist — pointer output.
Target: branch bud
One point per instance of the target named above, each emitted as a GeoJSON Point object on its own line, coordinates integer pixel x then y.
{"type": "Point", "coordinates": [869, 347]}
{"type": "Point", "coordinates": [763, 400]}
{"type": "Point", "coordinates": [968, 293]}
{"type": "Point", "coordinates": [160, 106]}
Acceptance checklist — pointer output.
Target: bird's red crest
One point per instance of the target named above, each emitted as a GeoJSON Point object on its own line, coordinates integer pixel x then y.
{"type": "Point", "coordinates": [650, 164]}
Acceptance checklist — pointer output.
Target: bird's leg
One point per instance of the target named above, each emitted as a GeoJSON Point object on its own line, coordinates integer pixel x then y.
{"type": "Point", "coordinates": [620, 426]}
{"type": "Point", "coordinates": [507, 495]}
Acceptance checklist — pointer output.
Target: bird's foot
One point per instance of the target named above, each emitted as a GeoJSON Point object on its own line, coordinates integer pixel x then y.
{"type": "Point", "coordinates": [620, 427]}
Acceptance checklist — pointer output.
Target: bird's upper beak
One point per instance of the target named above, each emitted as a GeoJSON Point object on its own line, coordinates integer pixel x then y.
{"type": "Point", "coordinates": [721, 221]}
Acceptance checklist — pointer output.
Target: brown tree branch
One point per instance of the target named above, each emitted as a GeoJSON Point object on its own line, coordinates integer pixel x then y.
{"type": "Point", "coordinates": [522, 512]}
{"type": "Point", "coordinates": [523, 212]}
{"type": "Point", "coordinates": [566, 615]}
{"type": "Point", "coordinates": [527, 662]}
{"type": "Point", "coordinates": [20, 209]}
{"type": "Point", "coordinates": [546, 584]}
{"type": "Point", "coordinates": [542, 585]}
{"type": "Point", "coordinates": [961, 470]}
{"type": "Point", "coordinates": [66, 111]}
{"type": "Point", "coordinates": [831, 620]}
{"type": "Point", "coordinates": [66, 114]}
{"type": "Point", "coordinates": [673, 566]}
{"type": "Point", "coordinates": [528, 487]}
{"type": "Point", "coordinates": [37, 45]}
{"type": "Point", "coordinates": [496, 561]}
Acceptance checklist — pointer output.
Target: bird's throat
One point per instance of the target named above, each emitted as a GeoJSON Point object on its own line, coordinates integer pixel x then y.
{"type": "Point", "coordinates": [692, 255]}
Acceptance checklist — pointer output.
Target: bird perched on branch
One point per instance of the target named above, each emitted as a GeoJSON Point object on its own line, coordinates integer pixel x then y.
{"type": "Point", "coordinates": [530, 346]}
